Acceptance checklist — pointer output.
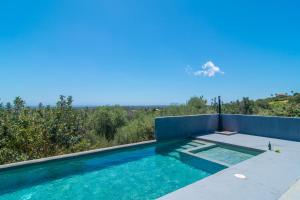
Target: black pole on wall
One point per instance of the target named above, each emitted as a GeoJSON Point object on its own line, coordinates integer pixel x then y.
{"type": "Point", "coordinates": [220, 127]}
{"type": "Point", "coordinates": [219, 105]}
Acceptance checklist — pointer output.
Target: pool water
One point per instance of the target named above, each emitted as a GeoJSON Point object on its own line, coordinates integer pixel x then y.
{"type": "Point", "coordinates": [227, 154]}
{"type": "Point", "coordinates": [145, 172]}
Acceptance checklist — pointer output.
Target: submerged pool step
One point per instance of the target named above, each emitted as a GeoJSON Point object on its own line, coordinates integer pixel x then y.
{"type": "Point", "coordinates": [199, 141]}
{"type": "Point", "coordinates": [187, 146]}
{"type": "Point", "coordinates": [223, 155]}
{"type": "Point", "coordinates": [194, 144]}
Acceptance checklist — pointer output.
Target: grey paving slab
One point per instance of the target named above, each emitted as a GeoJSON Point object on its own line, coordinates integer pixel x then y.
{"type": "Point", "coordinates": [268, 175]}
{"type": "Point", "coordinates": [292, 193]}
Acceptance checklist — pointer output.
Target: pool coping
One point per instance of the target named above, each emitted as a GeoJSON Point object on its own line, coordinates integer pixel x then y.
{"type": "Point", "coordinates": [27, 163]}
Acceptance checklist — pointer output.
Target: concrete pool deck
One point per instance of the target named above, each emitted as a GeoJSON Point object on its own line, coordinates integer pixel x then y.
{"type": "Point", "coordinates": [268, 176]}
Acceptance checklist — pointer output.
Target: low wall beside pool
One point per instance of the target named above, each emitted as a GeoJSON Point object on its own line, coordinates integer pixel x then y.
{"type": "Point", "coordinates": [286, 128]}
{"type": "Point", "coordinates": [184, 126]}
{"type": "Point", "coordinates": [177, 127]}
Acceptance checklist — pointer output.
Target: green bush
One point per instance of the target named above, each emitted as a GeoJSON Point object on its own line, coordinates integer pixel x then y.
{"type": "Point", "coordinates": [106, 120]}
{"type": "Point", "coordinates": [137, 130]}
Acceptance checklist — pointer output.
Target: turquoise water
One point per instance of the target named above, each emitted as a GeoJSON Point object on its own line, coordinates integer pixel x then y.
{"type": "Point", "coordinates": [230, 156]}
{"type": "Point", "coordinates": [147, 172]}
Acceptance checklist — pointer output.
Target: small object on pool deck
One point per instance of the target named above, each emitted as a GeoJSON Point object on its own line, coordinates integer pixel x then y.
{"type": "Point", "coordinates": [270, 146]}
{"type": "Point", "coordinates": [240, 176]}
{"type": "Point", "coordinates": [226, 132]}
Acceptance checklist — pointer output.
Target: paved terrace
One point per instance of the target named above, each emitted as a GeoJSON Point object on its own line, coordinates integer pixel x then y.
{"type": "Point", "coordinates": [269, 176]}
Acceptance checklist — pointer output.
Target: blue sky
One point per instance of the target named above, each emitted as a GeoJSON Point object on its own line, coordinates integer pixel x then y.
{"type": "Point", "coordinates": [147, 52]}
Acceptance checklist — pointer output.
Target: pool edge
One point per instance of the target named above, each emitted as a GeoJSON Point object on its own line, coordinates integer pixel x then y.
{"type": "Point", "coordinates": [71, 155]}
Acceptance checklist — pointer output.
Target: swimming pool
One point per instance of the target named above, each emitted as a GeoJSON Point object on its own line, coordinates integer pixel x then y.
{"type": "Point", "coordinates": [142, 172]}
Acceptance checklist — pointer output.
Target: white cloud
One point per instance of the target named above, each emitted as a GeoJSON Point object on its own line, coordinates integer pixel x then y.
{"type": "Point", "coordinates": [209, 69]}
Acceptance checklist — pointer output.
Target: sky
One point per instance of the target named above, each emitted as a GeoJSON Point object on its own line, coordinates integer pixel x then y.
{"type": "Point", "coordinates": [141, 52]}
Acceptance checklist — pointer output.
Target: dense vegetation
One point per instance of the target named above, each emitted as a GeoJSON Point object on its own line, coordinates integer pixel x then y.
{"type": "Point", "coordinates": [276, 105]}
{"type": "Point", "coordinates": [30, 133]}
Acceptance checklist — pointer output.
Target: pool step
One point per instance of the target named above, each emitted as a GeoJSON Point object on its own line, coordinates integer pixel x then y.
{"type": "Point", "coordinates": [192, 150]}
{"type": "Point", "coordinates": [197, 149]}
{"type": "Point", "coordinates": [194, 144]}
{"type": "Point", "coordinates": [187, 146]}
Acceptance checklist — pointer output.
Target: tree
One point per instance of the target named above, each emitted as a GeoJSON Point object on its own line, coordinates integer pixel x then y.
{"type": "Point", "coordinates": [247, 106]}
{"type": "Point", "coordinates": [197, 102]}
{"type": "Point", "coordinates": [106, 120]}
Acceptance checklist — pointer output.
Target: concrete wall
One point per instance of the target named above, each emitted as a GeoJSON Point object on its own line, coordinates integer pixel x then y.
{"type": "Point", "coordinates": [184, 126]}
{"type": "Point", "coordinates": [275, 127]}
